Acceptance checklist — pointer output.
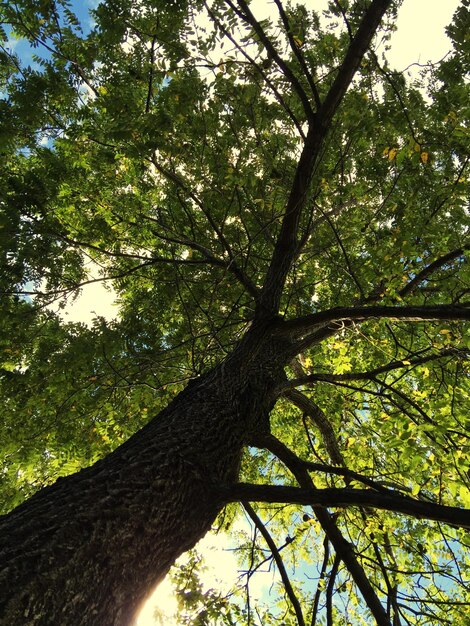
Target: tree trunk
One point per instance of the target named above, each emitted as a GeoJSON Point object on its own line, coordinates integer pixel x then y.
{"type": "Point", "coordinates": [90, 548]}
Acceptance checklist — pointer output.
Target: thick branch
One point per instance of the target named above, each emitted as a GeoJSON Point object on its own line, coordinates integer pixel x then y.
{"type": "Point", "coordinates": [372, 374]}
{"type": "Point", "coordinates": [258, 68]}
{"type": "Point", "coordinates": [353, 58]}
{"type": "Point", "coordinates": [333, 497]}
{"type": "Point", "coordinates": [287, 244]}
{"type": "Point", "coordinates": [360, 314]}
{"type": "Point", "coordinates": [321, 422]}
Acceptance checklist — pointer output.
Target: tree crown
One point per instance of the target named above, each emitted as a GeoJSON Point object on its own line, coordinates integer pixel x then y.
{"type": "Point", "coordinates": [216, 169]}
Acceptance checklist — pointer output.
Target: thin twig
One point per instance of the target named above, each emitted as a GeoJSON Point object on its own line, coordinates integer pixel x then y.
{"type": "Point", "coordinates": [279, 562]}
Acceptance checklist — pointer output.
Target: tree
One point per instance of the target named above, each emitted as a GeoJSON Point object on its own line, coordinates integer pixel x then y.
{"type": "Point", "coordinates": [283, 218]}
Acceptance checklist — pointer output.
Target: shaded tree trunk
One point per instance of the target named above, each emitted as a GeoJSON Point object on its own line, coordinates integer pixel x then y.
{"type": "Point", "coordinates": [89, 549]}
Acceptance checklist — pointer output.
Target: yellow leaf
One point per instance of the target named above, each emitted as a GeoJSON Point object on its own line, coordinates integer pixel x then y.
{"type": "Point", "coordinates": [337, 345]}
{"type": "Point", "coordinates": [464, 494]}
{"type": "Point", "coordinates": [298, 42]}
{"type": "Point", "coordinates": [406, 362]}
{"type": "Point", "coordinates": [424, 156]}
{"type": "Point", "coordinates": [392, 153]}
{"type": "Point", "coordinates": [445, 331]}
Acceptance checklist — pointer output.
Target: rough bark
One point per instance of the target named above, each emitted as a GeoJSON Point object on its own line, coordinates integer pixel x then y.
{"type": "Point", "coordinates": [87, 550]}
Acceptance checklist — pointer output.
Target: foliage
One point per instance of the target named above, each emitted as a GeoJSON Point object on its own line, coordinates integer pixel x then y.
{"type": "Point", "coordinates": [161, 143]}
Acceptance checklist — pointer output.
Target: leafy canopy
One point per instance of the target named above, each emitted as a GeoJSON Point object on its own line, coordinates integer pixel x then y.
{"type": "Point", "coordinates": [154, 145]}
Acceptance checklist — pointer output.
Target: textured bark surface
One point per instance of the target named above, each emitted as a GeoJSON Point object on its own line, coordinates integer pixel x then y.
{"type": "Point", "coordinates": [88, 550]}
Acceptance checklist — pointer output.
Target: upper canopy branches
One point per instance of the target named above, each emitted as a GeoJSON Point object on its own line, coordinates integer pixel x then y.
{"type": "Point", "coordinates": [286, 246]}
{"type": "Point", "coordinates": [190, 157]}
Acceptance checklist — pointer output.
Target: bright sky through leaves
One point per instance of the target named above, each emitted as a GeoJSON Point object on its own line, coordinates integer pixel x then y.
{"type": "Point", "coordinates": [419, 38]}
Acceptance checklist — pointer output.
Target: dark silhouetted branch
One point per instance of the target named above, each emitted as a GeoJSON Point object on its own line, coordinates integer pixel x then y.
{"type": "Point", "coordinates": [246, 14]}
{"type": "Point", "coordinates": [359, 314]}
{"type": "Point", "coordinates": [279, 562]}
{"type": "Point", "coordinates": [372, 374]}
{"type": "Point", "coordinates": [332, 497]}
{"type": "Point", "coordinates": [342, 547]}
{"type": "Point", "coordinates": [438, 264]}
{"type": "Point", "coordinates": [297, 53]}
{"type": "Point", "coordinates": [286, 246]}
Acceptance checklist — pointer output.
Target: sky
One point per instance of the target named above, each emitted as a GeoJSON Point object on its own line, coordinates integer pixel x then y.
{"type": "Point", "coordinates": [419, 38]}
